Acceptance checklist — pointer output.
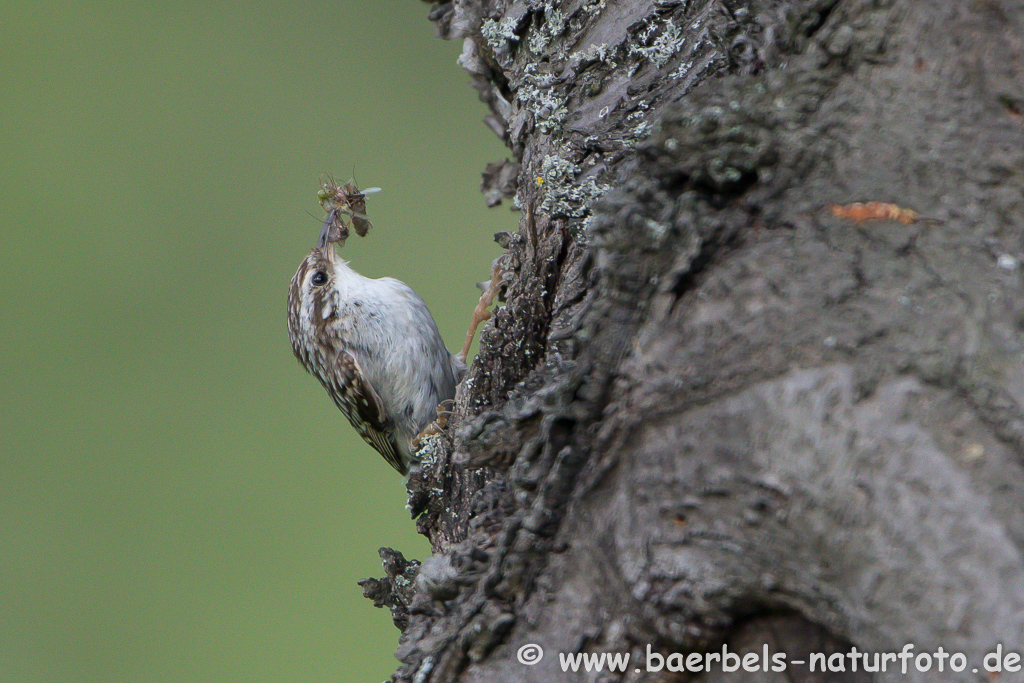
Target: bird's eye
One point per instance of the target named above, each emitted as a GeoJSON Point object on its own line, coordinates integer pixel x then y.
{"type": "Point", "coordinates": [319, 277]}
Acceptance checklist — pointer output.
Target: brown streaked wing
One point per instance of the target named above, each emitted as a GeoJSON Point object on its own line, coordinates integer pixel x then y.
{"type": "Point", "coordinates": [360, 404]}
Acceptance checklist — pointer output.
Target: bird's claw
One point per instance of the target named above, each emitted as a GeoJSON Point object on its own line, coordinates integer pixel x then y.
{"type": "Point", "coordinates": [437, 426]}
{"type": "Point", "coordinates": [482, 312]}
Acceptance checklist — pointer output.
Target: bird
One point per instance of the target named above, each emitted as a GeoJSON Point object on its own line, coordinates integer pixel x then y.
{"type": "Point", "coordinates": [375, 348]}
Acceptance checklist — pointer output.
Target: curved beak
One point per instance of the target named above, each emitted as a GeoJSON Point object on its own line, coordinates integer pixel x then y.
{"type": "Point", "coordinates": [333, 231]}
{"type": "Point", "coordinates": [325, 234]}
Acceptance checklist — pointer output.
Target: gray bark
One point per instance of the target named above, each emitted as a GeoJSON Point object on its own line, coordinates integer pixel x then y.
{"type": "Point", "coordinates": [711, 412]}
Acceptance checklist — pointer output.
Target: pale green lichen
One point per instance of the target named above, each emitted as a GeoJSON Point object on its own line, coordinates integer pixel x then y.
{"type": "Point", "coordinates": [683, 69]}
{"type": "Point", "coordinates": [553, 25]}
{"type": "Point", "coordinates": [591, 54]}
{"type": "Point", "coordinates": [639, 133]}
{"type": "Point", "coordinates": [640, 112]}
{"type": "Point", "coordinates": [429, 448]}
{"type": "Point", "coordinates": [538, 93]}
{"type": "Point", "coordinates": [563, 194]}
{"type": "Point", "coordinates": [664, 47]}
{"type": "Point", "coordinates": [497, 34]}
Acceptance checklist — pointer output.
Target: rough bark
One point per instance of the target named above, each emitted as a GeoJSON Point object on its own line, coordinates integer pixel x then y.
{"type": "Point", "coordinates": [711, 411]}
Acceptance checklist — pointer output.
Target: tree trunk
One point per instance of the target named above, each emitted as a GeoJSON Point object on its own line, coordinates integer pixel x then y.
{"type": "Point", "coordinates": [722, 407]}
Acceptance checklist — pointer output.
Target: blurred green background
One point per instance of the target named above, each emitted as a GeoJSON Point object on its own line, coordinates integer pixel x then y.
{"type": "Point", "coordinates": [179, 500]}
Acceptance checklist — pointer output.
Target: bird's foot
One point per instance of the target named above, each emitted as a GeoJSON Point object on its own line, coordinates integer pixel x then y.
{"type": "Point", "coordinates": [437, 426]}
{"type": "Point", "coordinates": [482, 312]}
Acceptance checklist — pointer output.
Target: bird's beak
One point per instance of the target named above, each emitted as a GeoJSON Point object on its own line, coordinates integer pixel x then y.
{"type": "Point", "coordinates": [326, 245]}
{"type": "Point", "coordinates": [325, 234]}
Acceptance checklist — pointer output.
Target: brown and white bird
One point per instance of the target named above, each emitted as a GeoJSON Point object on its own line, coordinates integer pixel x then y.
{"type": "Point", "coordinates": [375, 348]}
